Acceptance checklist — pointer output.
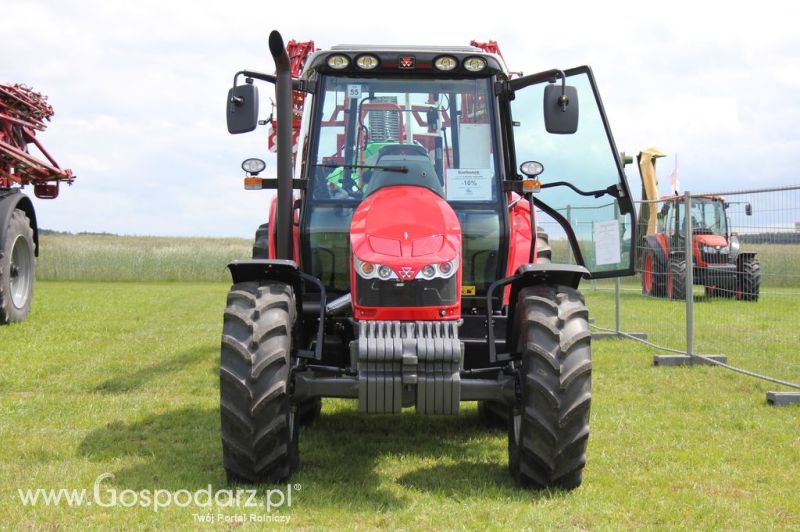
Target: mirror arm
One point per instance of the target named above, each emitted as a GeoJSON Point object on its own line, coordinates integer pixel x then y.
{"type": "Point", "coordinates": [297, 84]}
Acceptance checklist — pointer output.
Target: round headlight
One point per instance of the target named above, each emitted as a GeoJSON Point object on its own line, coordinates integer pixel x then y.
{"type": "Point", "coordinates": [428, 271]}
{"type": "Point", "coordinates": [384, 272]}
{"type": "Point", "coordinates": [338, 61]}
{"type": "Point", "coordinates": [445, 63]}
{"type": "Point", "coordinates": [445, 268]}
{"type": "Point", "coordinates": [367, 268]}
{"type": "Point", "coordinates": [474, 64]}
{"type": "Point", "coordinates": [531, 168]}
{"type": "Point", "coordinates": [367, 62]}
{"type": "Point", "coordinates": [253, 166]}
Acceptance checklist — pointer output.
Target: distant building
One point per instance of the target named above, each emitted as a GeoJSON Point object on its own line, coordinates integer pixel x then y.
{"type": "Point", "coordinates": [797, 227]}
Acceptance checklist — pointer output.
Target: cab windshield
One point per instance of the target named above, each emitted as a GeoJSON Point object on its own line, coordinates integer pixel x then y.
{"type": "Point", "coordinates": [369, 133]}
{"type": "Point", "coordinates": [708, 217]}
{"type": "Point", "coordinates": [371, 125]}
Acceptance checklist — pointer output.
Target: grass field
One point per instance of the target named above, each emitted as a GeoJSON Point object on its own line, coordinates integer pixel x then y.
{"type": "Point", "coordinates": [121, 378]}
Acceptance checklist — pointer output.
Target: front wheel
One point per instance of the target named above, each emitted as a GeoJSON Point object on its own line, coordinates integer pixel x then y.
{"type": "Point", "coordinates": [677, 279]}
{"type": "Point", "coordinates": [17, 269]}
{"type": "Point", "coordinates": [748, 279]}
{"type": "Point", "coordinates": [549, 429]}
{"type": "Point", "coordinates": [259, 431]}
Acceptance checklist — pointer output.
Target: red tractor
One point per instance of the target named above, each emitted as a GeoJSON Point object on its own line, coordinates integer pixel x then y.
{"type": "Point", "coordinates": [718, 263]}
{"type": "Point", "coordinates": [400, 265]}
{"type": "Point", "coordinates": [23, 112]}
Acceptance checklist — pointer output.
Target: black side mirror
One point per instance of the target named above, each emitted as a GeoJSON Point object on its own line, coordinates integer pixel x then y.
{"type": "Point", "coordinates": [664, 209]}
{"type": "Point", "coordinates": [561, 109]}
{"type": "Point", "coordinates": [748, 209]}
{"type": "Point", "coordinates": [242, 108]}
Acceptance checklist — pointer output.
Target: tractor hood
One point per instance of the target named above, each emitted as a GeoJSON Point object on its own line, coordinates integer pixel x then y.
{"type": "Point", "coordinates": [405, 228]}
{"type": "Point", "coordinates": [711, 240]}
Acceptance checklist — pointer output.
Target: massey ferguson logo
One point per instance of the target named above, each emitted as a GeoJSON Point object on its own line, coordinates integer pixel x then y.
{"type": "Point", "coordinates": [406, 272]}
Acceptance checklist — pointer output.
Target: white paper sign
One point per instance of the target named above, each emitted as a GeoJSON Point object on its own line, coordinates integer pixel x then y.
{"type": "Point", "coordinates": [354, 91]}
{"type": "Point", "coordinates": [606, 242]}
{"type": "Point", "coordinates": [469, 184]}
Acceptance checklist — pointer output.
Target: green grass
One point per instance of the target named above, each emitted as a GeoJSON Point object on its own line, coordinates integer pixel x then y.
{"type": "Point", "coordinates": [122, 378]}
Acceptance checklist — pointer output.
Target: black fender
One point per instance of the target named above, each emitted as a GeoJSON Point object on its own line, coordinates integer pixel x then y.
{"type": "Point", "coordinates": [527, 275]}
{"type": "Point", "coordinates": [740, 258]}
{"type": "Point", "coordinates": [651, 244]}
{"type": "Point", "coordinates": [285, 271]}
{"type": "Point", "coordinates": [14, 199]}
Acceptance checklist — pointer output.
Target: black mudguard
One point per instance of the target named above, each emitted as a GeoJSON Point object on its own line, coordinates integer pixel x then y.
{"type": "Point", "coordinates": [285, 271]}
{"type": "Point", "coordinates": [14, 199]}
{"type": "Point", "coordinates": [528, 275]}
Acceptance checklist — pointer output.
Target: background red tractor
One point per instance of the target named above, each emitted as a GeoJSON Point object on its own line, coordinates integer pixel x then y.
{"type": "Point", "coordinates": [718, 262]}
{"type": "Point", "coordinates": [400, 264]}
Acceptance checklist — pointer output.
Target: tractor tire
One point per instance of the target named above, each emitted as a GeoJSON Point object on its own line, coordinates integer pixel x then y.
{"type": "Point", "coordinates": [261, 242]}
{"type": "Point", "coordinates": [259, 431]}
{"type": "Point", "coordinates": [748, 280]}
{"type": "Point", "coordinates": [654, 281]}
{"type": "Point", "coordinates": [495, 415]}
{"type": "Point", "coordinates": [677, 279]}
{"type": "Point", "coordinates": [548, 433]}
{"type": "Point", "coordinates": [544, 254]}
{"type": "Point", "coordinates": [307, 411]}
{"type": "Point", "coordinates": [17, 269]}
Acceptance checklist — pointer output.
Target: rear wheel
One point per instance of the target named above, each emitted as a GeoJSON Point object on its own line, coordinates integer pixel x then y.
{"type": "Point", "coordinates": [653, 280]}
{"type": "Point", "coordinates": [549, 430]}
{"type": "Point", "coordinates": [261, 242]}
{"type": "Point", "coordinates": [544, 254]}
{"type": "Point", "coordinates": [17, 269]}
{"type": "Point", "coordinates": [259, 432]}
{"type": "Point", "coordinates": [748, 279]}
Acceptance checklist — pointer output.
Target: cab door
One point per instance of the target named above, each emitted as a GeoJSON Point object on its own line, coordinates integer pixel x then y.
{"type": "Point", "coordinates": [584, 203]}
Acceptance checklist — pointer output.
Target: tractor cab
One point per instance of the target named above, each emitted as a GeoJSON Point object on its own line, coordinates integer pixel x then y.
{"type": "Point", "coordinates": [450, 121]}
{"type": "Point", "coordinates": [709, 216]}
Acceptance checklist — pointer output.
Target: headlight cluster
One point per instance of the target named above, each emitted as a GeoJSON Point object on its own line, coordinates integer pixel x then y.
{"type": "Point", "coordinates": [368, 270]}
{"type": "Point", "coordinates": [712, 249]}
{"type": "Point", "coordinates": [442, 270]}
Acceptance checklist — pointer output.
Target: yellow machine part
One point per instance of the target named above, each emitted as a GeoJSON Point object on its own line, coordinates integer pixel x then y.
{"type": "Point", "coordinates": [647, 170]}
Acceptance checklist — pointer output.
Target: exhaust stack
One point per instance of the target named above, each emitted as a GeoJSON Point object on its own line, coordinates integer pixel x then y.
{"type": "Point", "coordinates": [283, 95]}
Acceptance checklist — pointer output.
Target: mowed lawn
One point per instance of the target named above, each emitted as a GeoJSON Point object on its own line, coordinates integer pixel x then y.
{"type": "Point", "coordinates": [122, 378]}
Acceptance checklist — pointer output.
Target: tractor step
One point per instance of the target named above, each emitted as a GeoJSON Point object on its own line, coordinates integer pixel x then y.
{"type": "Point", "coordinates": [783, 398]}
{"type": "Point", "coordinates": [685, 360]}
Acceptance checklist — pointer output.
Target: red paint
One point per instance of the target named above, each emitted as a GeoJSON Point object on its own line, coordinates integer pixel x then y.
{"type": "Point", "coordinates": [648, 273]}
{"type": "Point", "coordinates": [271, 249]}
{"type": "Point", "coordinates": [519, 249]}
{"type": "Point", "coordinates": [427, 231]}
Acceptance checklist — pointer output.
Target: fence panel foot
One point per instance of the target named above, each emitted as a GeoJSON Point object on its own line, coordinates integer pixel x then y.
{"type": "Point", "coordinates": [685, 360]}
{"type": "Point", "coordinates": [783, 398]}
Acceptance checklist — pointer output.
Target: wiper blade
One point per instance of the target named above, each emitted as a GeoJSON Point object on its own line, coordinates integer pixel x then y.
{"type": "Point", "coordinates": [399, 169]}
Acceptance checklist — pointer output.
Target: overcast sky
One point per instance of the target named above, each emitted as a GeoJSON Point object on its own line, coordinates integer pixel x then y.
{"type": "Point", "coordinates": [138, 90]}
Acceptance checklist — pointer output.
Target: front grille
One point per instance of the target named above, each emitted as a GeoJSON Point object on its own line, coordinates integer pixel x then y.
{"type": "Point", "coordinates": [716, 258]}
{"type": "Point", "coordinates": [417, 293]}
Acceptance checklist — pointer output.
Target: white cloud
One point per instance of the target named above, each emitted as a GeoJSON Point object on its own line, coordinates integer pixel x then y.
{"type": "Point", "coordinates": [138, 89]}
